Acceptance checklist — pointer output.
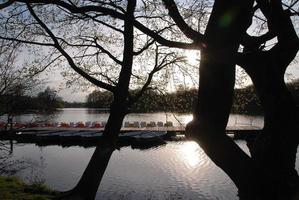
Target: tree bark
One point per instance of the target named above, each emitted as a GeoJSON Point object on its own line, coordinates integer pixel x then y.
{"type": "Point", "coordinates": [228, 22]}
{"type": "Point", "coordinates": [275, 149]}
{"type": "Point", "coordinates": [270, 173]}
{"type": "Point", "coordinates": [87, 186]}
{"type": "Point", "coordinates": [120, 103]}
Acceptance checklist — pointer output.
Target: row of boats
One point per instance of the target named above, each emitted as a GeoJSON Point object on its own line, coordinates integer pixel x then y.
{"type": "Point", "coordinates": [83, 137]}
{"type": "Point", "coordinates": [88, 124]}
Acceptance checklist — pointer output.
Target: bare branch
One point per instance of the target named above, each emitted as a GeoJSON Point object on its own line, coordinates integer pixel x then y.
{"type": "Point", "coordinates": [46, 66]}
{"type": "Point", "coordinates": [183, 26]}
{"type": "Point", "coordinates": [107, 52]}
{"type": "Point", "coordinates": [145, 47]}
{"type": "Point", "coordinates": [65, 54]}
{"type": "Point", "coordinates": [26, 42]}
{"type": "Point", "coordinates": [104, 23]}
{"type": "Point", "coordinates": [157, 67]}
{"type": "Point", "coordinates": [92, 8]}
{"type": "Point", "coordinates": [6, 4]}
{"type": "Point", "coordinates": [163, 41]}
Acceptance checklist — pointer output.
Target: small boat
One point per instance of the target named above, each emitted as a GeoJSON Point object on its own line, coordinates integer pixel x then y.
{"type": "Point", "coordinates": [91, 136]}
{"type": "Point", "coordinates": [71, 135]}
{"type": "Point", "coordinates": [51, 136]}
{"type": "Point", "coordinates": [148, 139]}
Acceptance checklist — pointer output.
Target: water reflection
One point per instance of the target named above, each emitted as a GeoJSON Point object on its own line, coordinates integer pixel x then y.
{"type": "Point", "coordinates": [177, 170]}
{"type": "Point", "coordinates": [9, 165]}
{"type": "Point", "coordinates": [190, 153]}
{"type": "Point", "coordinates": [87, 114]}
{"type": "Point", "coordinates": [96, 110]}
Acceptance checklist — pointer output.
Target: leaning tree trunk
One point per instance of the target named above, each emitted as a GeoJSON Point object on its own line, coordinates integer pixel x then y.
{"type": "Point", "coordinates": [87, 186]}
{"type": "Point", "coordinates": [228, 22]}
{"type": "Point", "coordinates": [275, 149]}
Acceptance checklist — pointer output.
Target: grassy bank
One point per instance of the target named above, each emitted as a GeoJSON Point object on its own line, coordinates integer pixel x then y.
{"type": "Point", "coordinates": [12, 188]}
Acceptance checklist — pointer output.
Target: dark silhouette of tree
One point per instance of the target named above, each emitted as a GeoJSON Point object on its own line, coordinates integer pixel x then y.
{"type": "Point", "coordinates": [275, 150]}
{"type": "Point", "coordinates": [46, 23]}
{"type": "Point", "coordinates": [256, 177]}
{"type": "Point", "coordinates": [16, 81]}
{"type": "Point", "coordinates": [270, 172]}
{"type": "Point", "coordinates": [88, 49]}
{"type": "Point", "coordinates": [48, 100]}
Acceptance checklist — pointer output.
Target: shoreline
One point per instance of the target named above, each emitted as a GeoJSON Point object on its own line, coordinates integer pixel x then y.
{"type": "Point", "coordinates": [14, 188]}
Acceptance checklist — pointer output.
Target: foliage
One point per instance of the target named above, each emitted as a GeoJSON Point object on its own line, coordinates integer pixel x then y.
{"type": "Point", "coordinates": [16, 80]}
{"type": "Point", "coordinates": [184, 100]}
{"type": "Point", "coordinates": [99, 99]}
{"type": "Point", "coordinates": [12, 188]}
{"type": "Point", "coordinates": [74, 104]}
{"type": "Point", "coordinates": [48, 100]}
{"type": "Point", "coordinates": [45, 101]}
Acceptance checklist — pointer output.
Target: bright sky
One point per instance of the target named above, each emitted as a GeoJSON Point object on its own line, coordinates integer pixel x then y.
{"type": "Point", "coordinates": [56, 81]}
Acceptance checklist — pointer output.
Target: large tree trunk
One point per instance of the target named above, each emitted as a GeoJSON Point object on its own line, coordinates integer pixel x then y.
{"type": "Point", "coordinates": [228, 22]}
{"type": "Point", "coordinates": [88, 185]}
{"type": "Point", "coordinates": [118, 110]}
{"type": "Point", "coordinates": [90, 180]}
{"type": "Point", "coordinates": [275, 149]}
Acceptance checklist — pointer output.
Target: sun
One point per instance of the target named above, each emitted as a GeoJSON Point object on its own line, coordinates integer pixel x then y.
{"type": "Point", "coordinates": [192, 56]}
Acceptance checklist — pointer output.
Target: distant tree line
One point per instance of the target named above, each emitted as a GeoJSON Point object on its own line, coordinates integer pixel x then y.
{"type": "Point", "coordinates": [74, 104]}
{"type": "Point", "coordinates": [18, 102]}
{"type": "Point", "coordinates": [180, 101]}
{"type": "Point", "coordinates": [183, 100]}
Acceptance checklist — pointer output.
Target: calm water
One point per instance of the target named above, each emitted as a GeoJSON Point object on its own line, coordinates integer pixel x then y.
{"type": "Point", "coordinates": [85, 114]}
{"type": "Point", "coordinates": [177, 170]}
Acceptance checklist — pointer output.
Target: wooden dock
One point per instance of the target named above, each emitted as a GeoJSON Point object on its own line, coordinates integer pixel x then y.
{"type": "Point", "coordinates": [139, 137]}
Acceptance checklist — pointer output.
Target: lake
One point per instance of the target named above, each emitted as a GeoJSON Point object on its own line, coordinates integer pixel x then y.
{"type": "Point", "coordinates": [89, 114]}
{"type": "Point", "coordinates": [177, 170]}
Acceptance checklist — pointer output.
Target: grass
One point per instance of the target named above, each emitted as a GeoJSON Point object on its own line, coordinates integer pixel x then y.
{"type": "Point", "coordinates": [12, 188]}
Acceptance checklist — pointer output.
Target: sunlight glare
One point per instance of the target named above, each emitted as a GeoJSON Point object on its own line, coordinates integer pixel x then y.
{"type": "Point", "coordinates": [190, 153]}
{"type": "Point", "coordinates": [192, 57]}
{"type": "Point", "coordinates": [187, 119]}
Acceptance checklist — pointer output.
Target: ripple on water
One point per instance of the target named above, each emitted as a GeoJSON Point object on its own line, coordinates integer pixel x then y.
{"type": "Point", "coordinates": [179, 170]}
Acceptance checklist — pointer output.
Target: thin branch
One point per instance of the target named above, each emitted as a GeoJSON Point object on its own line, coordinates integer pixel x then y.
{"type": "Point", "coordinates": [180, 22]}
{"type": "Point", "coordinates": [157, 67]}
{"type": "Point", "coordinates": [104, 23]}
{"type": "Point", "coordinates": [290, 6]}
{"type": "Point", "coordinates": [46, 66]}
{"type": "Point", "coordinates": [6, 4]}
{"type": "Point", "coordinates": [69, 59]}
{"type": "Point", "coordinates": [107, 52]}
{"type": "Point", "coordinates": [145, 47]}
{"type": "Point", "coordinates": [163, 41]}
{"type": "Point", "coordinates": [92, 8]}
{"type": "Point", "coordinates": [27, 42]}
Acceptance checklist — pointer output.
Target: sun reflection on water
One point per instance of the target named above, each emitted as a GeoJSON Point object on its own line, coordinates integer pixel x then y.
{"type": "Point", "coordinates": [190, 153]}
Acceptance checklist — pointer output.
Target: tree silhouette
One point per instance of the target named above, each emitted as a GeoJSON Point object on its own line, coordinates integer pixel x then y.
{"type": "Point", "coordinates": [270, 172]}
{"type": "Point", "coordinates": [260, 176]}
{"type": "Point", "coordinates": [46, 23]}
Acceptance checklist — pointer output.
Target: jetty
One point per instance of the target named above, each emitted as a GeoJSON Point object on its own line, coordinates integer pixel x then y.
{"type": "Point", "coordinates": [137, 134]}
{"type": "Point", "coordinates": [137, 137]}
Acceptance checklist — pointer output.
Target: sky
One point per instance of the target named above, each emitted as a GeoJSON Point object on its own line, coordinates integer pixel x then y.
{"type": "Point", "coordinates": [56, 81]}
